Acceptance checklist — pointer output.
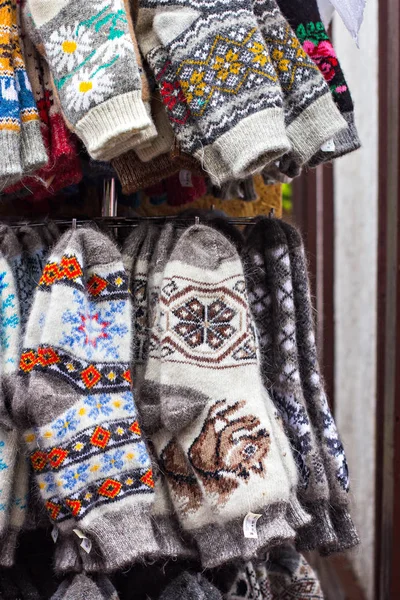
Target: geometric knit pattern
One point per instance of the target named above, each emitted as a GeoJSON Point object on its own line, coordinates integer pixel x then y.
{"type": "Point", "coordinates": [291, 577]}
{"type": "Point", "coordinates": [90, 454]}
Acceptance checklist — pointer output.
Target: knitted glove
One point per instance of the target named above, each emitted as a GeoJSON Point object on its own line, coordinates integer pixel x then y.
{"type": "Point", "coordinates": [315, 396]}
{"type": "Point", "coordinates": [310, 114]}
{"type": "Point", "coordinates": [75, 403]}
{"type": "Point", "coordinates": [306, 21]}
{"type": "Point", "coordinates": [219, 84]}
{"type": "Point", "coordinates": [269, 283]}
{"type": "Point", "coordinates": [229, 435]}
{"type": "Point", "coordinates": [95, 72]}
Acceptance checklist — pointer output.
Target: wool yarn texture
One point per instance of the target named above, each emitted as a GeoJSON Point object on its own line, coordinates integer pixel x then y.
{"type": "Point", "coordinates": [190, 587]}
{"type": "Point", "coordinates": [205, 331]}
{"type": "Point", "coordinates": [269, 281]}
{"type": "Point", "coordinates": [75, 404]}
{"type": "Point", "coordinates": [311, 116]}
{"type": "Point", "coordinates": [306, 21]}
{"type": "Point", "coordinates": [315, 395]}
{"type": "Point", "coordinates": [291, 576]}
{"type": "Point", "coordinates": [92, 59]}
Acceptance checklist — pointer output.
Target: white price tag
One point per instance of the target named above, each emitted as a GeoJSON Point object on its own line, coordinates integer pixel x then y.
{"type": "Point", "coordinates": [54, 534]}
{"type": "Point", "coordinates": [250, 525]}
{"type": "Point", "coordinates": [329, 146]}
{"type": "Point", "coordinates": [185, 178]}
{"type": "Point", "coordinates": [86, 545]}
{"type": "Point", "coordinates": [79, 533]}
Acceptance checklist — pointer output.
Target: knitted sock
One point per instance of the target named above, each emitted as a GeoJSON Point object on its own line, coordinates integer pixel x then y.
{"type": "Point", "coordinates": [269, 281]}
{"type": "Point", "coordinates": [218, 144]}
{"type": "Point", "coordinates": [306, 21]}
{"type": "Point", "coordinates": [226, 107]}
{"type": "Point", "coordinates": [289, 572]}
{"type": "Point", "coordinates": [205, 329]}
{"type": "Point", "coordinates": [95, 71]}
{"type": "Point", "coordinates": [10, 119]}
{"type": "Point", "coordinates": [310, 114]}
{"type": "Point", "coordinates": [33, 151]}
{"type": "Point", "coordinates": [320, 414]}
{"type": "Point", "coordinates": [190, 587]}
{"type": "Point", "coordinates": [84, 441]}
{"type": "Point", "coordinates": [82, 586]}
{"type": "Point", "coordinates": [245, 585]}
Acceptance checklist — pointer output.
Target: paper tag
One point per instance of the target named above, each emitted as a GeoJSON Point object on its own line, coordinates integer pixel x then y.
{"type": "Point", "coordinates": [329, 146]}
{"type": "Point", "coordinates": [79, 533]}
{"type": "Point", "coordinates": [185, 178]}
{"type": "Point", "coordinates": [86, 545]}
{"type": "Point", "coordinates": [250, 525]}
{"type": "Point", "coordinates": [54, 534]}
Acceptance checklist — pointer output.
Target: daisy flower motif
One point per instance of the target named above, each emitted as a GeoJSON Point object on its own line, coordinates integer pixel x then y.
{"type": "Point", "coordinates": [85, 89]}
{"type": "Point", "coordinates": [69, 46]}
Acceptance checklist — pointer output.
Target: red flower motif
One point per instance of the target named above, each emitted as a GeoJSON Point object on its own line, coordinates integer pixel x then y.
{"type": "Point", "coordinates": [324, 56]}
{"type": "Point", "coordinates": [171, 94]}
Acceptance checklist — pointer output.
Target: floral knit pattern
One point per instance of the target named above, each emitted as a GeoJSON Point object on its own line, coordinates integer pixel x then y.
{"type": "Point", "coordinates": [9, 318]}
{"type": "Point", "coordinates": [91, 55]}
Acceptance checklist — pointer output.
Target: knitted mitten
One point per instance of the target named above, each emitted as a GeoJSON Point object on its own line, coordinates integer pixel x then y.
{"type": "Point", "coordinates": [310, 114]}
{"type": "Point", "coordinates": [269, 281]}
{"type": "Point", "coordinates": [75, 402]}
{"type": "Point", "coordinates": [306, 21]}
{"type": "Point", "coordinates": [190, 587]}
{"type": "Point", "coordinates": [33, 151]}
{"type": "Point", "coordinates": [10, 119]}
{"type": "Point", "coordinates": [95, 72]}
{"type": "Point", "coordinates": [320, 414]}
{"type": "Point", "coordinates": [289, 572]}
{"type": "Point", "coordinates": [206, 333]}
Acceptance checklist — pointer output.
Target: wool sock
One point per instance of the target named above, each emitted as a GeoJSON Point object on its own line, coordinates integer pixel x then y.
{"type": "Point", "coordinates": [289, 572]}
{"type": "Point", "coordinates": [206, 329]}
{"type": "Point", "coordinates": [306, 21]}
{"type": "Point", "coordinates": [83, 586]}
{"type": "Point", "coordinates": [269, 282]}
{"type": "Point", "coordinates": [33, 151]}
{"type": "Point", "coordinates": [95, 71]}
{"type": "Point", "coordinates": [245, 585]}
{"type": "Point", "coordinates": [311, 115]}
{"type": "Point", "coordinates": [90, 461]}
{"type": "Point", "coordinates": [10, 120]}
{"type": "Point", "coordinates": [315, 396]}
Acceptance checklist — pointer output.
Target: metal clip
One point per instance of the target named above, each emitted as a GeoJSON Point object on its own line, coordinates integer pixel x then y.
{"type": "Point", "coordinates": [196, 220]}
{"type": "Point", "coordinates": [73, 224]}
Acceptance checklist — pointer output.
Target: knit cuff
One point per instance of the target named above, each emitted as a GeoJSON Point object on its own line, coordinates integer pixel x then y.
{"type": "Point", "coordinates": [33, 152]}
{"type": "Point", "coordinates": [254, 142]}
{"type": "Point", "coordinates": [345, 141]}
{"type": "Point", "coordinates": [273, 529]}
{"type": "Point", "coordinates": [112, 121]}
{"type": "Point", "coordinates": [217, 545]}
{"type": "Point", "coordinates": [346, 533]}
{"type": "Point", "coordinates": [10, 167]}
{"type": "Point", "coordinates": [171, 542]}
{"type": "Point", "coordinates": [165, 135]}
{"type": "Point", "coordinates": [297, 516]}
{"type": "Point", "coordinates": [66, 555]}
{"type": "Point", "coordinates": [8, 546]}
{"type": "Point", "coordinates": [320, 532]}
{"type": "Point", "coordinates": [135, 175]}
{"type": "Point", "coordinates": [317, 124]}
{"type": "Point", "coordinates": [122, 536]}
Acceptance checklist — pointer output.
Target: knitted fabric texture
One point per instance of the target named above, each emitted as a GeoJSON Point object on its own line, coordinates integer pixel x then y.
{"type": "Point", "coordinates": [206, 333]}
{"type": "Point", "coordinates": [82, 586]}
{"type": "Point", "coordinates": [10, 119]}
{"type": "Point", "coordinates": [269, 282]}
{"type": "Point", "coordinates": [314, 392]}
{"type": "Point", "coordinates": [246, 585]}
{"type": "Point", "coordinates": [306, 22]}
{"type": "Point", "coordinates": [33, 151]}
{"type": "Point", "coordinates": [190, 587]}
{"type": "Point", "coordinates": [218, 82]}
{"type": "Point", "coordinates": [95, 72]}
{"type": "Point", "coordinates": [311, 116]}
{"type": "Point", "coordinates": [291, 576]}
{"type": "Point", "coordinates": [74, 401]}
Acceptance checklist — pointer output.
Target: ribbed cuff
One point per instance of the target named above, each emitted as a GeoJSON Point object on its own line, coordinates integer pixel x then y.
{"type": "Point", "coordinates": [123, 536]}
{"type": "Point", "coordinates": [112, 121]}
{"type": "Point", "coordinates": [345, 141]}
{"type": "Point", "coordinates": [320, 532]}
{"type": "Point", "coordinates": [297, 516]}
{"type": "Point", "coordinates": [165, 135]}
{"type": "Point", "coordinates": [33, 152]}
{"type": "Point", "coordinates": [8, 546]}
{"type": "Point", "coordinates": [172, 543]}
{"type": "Point", "coordinates": [254, 142]}
{"type": "Point", "coordinates": [317, 124]}
{"type": "Point", "coordinates": [10, 166]}
{"type": "Point", "coordinates": [217, 545]}
{"type": "Point", "coordinates": [66, 555]}
{"type": "Point", "coordinates": [135, 175]}
{"type": "Point", "coordinates": [346, 533]}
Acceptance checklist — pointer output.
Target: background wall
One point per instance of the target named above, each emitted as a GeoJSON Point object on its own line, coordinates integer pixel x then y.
{"type": "Point", "coordinates": [356, 193]}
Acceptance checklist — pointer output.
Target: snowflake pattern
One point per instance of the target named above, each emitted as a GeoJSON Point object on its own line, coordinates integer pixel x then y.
{"type": "Point", "coordinates": [113, 460]}
{"type": "Point", "coordinates": [66, 424]}
{"type": "Point", "coordinates": [9, 318]}
{"type": "Point", "coordinates": [98, 330]}
{"type": "Point", "coordinates": [200, 323]}
{"type": "Point", "coordinates": [99, 405]}
{"type": "Point", "coordinates": [3, 464]}
{"type": "Point", "coordinates": [73, 477]}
